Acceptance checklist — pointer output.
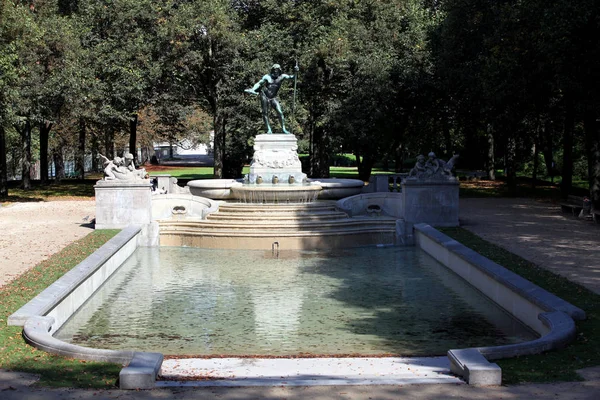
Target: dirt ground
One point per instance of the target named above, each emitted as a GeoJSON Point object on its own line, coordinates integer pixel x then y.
{"type": "Point", "coordinates": [31, 232]}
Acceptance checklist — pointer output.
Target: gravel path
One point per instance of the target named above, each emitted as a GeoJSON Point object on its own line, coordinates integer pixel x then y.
{"type": "Point", "coordinates": [540, 233]}
{"type": "Point", "coordinates": [32, 232]}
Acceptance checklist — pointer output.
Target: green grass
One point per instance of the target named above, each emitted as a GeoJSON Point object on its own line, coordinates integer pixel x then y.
{"type": "Point", "coordinates": [65, 190]}
{"type": "Point", "coordinates": [552, 366]}
{"type": "Point", "coordinates": [185, 172]}
{"type": "Point", "coordinates": [189, 172]}
{"type": "Point", "coordinates": [15, 355]}
{"type": "Point", "coordinates": [352, 172]}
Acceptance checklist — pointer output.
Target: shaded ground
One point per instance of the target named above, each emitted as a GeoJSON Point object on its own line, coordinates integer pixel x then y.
{"type": "Point", "coordinates": [540, 233]}
{"type": "Point", "coordinates": [587, 390]}
{"type": "Point", "coordinates": [184, 161]}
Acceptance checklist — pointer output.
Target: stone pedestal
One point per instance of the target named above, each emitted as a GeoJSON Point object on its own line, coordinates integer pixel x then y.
{"type": "Point", "coordinates": [122, 203]}
{"type": "Point", "coordinates": [432, 202]}
{"type": "Point", "coordinates": [275, 156]}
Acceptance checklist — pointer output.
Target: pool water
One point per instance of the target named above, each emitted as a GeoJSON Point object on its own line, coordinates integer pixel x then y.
{"type": "Point", "coordinates": [363, 301]}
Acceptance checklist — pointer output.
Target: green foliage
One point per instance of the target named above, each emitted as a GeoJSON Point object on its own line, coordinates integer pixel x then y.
{"type": "Point", "coordinates": [18, 356]}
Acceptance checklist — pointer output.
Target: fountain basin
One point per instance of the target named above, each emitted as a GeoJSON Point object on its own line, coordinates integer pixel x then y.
{"type": "Point", "coordinates": [335, 189]}
{"type": "Point", "coordinates": [276, 193]}
{"type": "Point", "coordinates": [216, 189]}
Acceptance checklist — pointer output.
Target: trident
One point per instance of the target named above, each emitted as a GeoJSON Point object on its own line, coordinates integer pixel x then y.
{"type": "Point", "coordinates": [296, 70]}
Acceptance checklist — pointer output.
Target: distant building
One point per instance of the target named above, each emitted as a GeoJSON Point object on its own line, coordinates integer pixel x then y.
{"type": "Point", "coordinates": [183, 148]}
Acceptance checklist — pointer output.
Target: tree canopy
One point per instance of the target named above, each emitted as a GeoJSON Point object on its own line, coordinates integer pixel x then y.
{"type": "Point", "coordinates": [508, 84]}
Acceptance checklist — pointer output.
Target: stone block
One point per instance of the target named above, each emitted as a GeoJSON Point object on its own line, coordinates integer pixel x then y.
{"type": "Point", "coordinates": [141, 372]}
{"type": "Point", "coordinates": [123, 203]}
{"type": "Point", "coordinates": [275, 155]}
{"type": "Point", "coordinates": [433, 202]}
{"type": "Point", "coordinates": [474, 367]}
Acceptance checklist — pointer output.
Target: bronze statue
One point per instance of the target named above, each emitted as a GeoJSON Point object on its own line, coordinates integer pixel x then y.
{"type": "Point", "coordinates": [269, 85]}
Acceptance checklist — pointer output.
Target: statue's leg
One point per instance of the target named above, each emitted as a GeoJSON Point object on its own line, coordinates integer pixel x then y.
{"type": "Point", "coordinates": [277, 107]}
{"type": "Point", "coordinates": [264, 103]}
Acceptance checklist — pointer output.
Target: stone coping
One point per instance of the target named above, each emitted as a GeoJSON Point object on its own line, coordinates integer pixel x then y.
{"type": "Point", "coordinates": [214, 183]}
{"type": "Point", "coordinates": [44, 314]}
{"type": "Point", "coordinates": [555, 314]}
{"type": "Point", "coordinates": [121, 183]}
{"type": "Point", "coordinates": [514, 282]}
{"type": "Point", "coordinates": [338, 182]}
{"type": "Point", "coordinates": [57, 292]}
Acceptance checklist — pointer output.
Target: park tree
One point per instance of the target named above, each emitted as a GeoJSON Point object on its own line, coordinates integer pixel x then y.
{"type": "Point", "coordinates": [14, 22]}
{"type": "Point", "coordinates": [202, 43]}
{"type": "Point", "coordinates": [23, 41]}
{"type": "Point", "coordinates": [120, 39]}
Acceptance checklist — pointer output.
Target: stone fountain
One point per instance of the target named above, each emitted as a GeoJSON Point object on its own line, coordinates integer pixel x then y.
{"type": "Point", "coordinates": [275, 176]}
{"type": "Point", "coordinates": [275, 172]}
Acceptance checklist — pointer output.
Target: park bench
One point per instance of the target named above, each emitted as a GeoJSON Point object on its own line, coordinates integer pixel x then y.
{"type": "Point", "coordinates": [574, 205]}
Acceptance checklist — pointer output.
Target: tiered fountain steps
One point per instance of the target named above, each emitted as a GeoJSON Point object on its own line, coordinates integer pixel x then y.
{"type": "Point", "coordinates": [292, 226]}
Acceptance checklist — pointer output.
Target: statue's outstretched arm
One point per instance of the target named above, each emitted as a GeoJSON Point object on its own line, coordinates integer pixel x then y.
{"type": "Point", "coordinates": [256, 86]}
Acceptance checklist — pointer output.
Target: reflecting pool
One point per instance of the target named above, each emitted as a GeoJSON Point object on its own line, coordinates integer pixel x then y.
{"type": "Point", "coordinates": [362, 301]}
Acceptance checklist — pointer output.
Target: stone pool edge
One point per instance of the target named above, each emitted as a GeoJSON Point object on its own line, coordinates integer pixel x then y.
{"type": "Point", "coordinates": [550, 316]}
{"type": "Point", "coordinates": [48, 311]}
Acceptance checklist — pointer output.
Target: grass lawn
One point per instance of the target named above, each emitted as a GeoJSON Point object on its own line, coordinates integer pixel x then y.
{"type": "Point", "coordinates": [55, 371]}
{"type": "Point", "coordinates": [554, 365]}
{"type": "Point", "coordinates": [68, 189]}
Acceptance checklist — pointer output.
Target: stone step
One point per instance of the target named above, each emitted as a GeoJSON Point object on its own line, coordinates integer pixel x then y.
{"type": "Point", "coordinates": [291, 226]}
{"type": "Point", "coordinates": [247, 208]}
{"type": "Point", "coordinates": [278, 216]}
{"type": "Point", "coordinates": [270, 225]}
{"type": "Point", "coordinates": [233, 233]}
{"type": "Point", "coordinates": [284, 240]}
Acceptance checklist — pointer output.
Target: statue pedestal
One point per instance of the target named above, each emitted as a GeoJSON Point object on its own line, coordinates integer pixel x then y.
{"type": "Point", "coordinates": [275, 156]}
{"type": "Point", "coordinates": [122, 203]}
{"type": "Point", "coordinates": [434, 202]}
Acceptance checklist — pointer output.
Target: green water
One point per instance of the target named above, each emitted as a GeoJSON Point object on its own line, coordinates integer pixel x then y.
{"type": "Point", "coordinates": [221, 302]}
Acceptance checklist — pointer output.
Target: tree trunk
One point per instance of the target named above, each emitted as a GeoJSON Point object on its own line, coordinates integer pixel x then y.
{"type": "Point", "coordinates": [567, 167]}
{"type": "Point", "coordinates": [592, 133]}
{"type": "Point", "coordinates": [491, 160]}
{"type": "Point", "coordinates": [44, 135]}
{"type": "Point", "coordinates": [109, 144]}
{"type": "Point", "coordinates": [548, 148]}
{"type": "Point", "coordinates": [59, 164]}
{"type": "Point", "coordinates": [447, 136]}
{"type": "Point", "coordinates": [133, 138]}
{"type": "Point", "coordinates": [510, 167]}
{"type": "Point", "coordinates": [219, 144]}
{"type": "Point", "coordinates": [94, 150]}
{"type": "Point", "coordinates": [3, 169]}
{"type": "Point", "coordinates": [320, 156]}
{"type": "Point", "coordinates": [81, 152]}
{"type": "Point", "coordinates": [26, 155]}
{"type": "Point", "coordinates": [365, 168]}
{"type": "Point", "coordinates": [536, 153]}
{"type": "Point", "coordinates": [399, 160]}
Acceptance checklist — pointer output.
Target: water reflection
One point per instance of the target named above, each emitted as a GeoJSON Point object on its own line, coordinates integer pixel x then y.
{"type": "Point", "coordinates": [367, 301]}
